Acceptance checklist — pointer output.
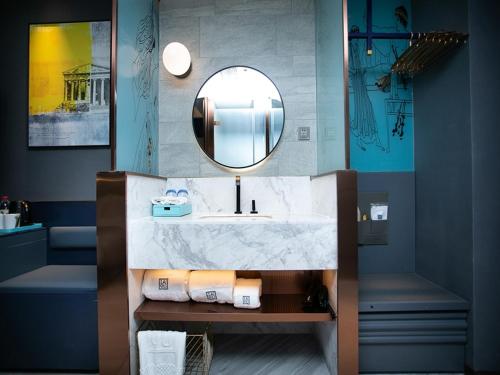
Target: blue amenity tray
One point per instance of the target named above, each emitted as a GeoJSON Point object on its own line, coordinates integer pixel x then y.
{"type": "Point", "coordinates": [171, 210]}
{"type": "Point", "coordinates": [21, 229]}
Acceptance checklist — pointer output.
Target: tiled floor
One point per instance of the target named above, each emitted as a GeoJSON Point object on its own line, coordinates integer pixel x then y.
{"type": "Point", "coordinates": [267, 355]}
{"type": "Point", "coordinates": [262, 354]}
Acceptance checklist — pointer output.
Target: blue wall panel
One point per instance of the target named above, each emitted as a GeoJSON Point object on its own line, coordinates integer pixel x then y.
{"type": "Point", "coordinates": [381, 121]}
{"type": "Point", "coordinates": [137, 86]}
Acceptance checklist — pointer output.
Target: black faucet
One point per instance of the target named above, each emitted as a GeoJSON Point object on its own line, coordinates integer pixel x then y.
{"type": "Point", "coordinates": [238, 205]}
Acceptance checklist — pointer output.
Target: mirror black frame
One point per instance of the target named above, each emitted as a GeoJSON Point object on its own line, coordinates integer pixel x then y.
{"type": "Point", "coordinates": [193, 119]}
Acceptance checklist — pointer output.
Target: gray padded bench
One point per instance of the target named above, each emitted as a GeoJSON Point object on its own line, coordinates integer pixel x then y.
{"type": "Point", "coordinates": [48, 319]}
{"type": "Point", "coordinates": [72, 245]}
{"type": "Point", "coordinates": [409, 324]}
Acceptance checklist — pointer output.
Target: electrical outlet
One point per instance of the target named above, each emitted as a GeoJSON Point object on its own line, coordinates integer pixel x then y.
{"type": "Point", "coordinates": [303, 133]}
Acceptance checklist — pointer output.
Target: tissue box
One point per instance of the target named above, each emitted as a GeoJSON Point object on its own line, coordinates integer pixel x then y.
{"type": "Point", "coordinates": [171, 210]}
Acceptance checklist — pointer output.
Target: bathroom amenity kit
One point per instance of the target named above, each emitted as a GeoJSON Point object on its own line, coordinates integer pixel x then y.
{"type": "Point", "coordinates": [202, 286]}
{"type": "Point", "coordinates": [173, 204]}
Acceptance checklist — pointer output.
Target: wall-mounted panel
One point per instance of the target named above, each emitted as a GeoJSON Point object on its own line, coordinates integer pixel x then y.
{"type": "Point", "coordinates": [330, 86]}
{"type": "Point", "coordinates": [381, 103]}
{"type": "Point", "coordinates": [137, 86]}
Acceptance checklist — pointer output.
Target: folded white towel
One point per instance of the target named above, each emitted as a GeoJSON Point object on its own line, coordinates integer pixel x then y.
{"type": "Point", "coordinates": [166, 285]}
{"type": "Point", "coordinates": [247, 293]}
{"type": "Point", "coordinates": [169, 200]}
{"type": "Point", "coordinates": [162, 352]}
{"type": "Point", "coordinates": [212, 286]}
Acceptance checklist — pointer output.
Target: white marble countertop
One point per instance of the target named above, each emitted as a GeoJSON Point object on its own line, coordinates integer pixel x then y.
{"type": "Point", "coordinates": [243, 219]}
{"type": "Point", "coordinates": [218, 241]}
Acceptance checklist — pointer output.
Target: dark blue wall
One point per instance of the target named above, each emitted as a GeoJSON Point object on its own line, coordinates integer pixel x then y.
{"type": "Point", "coordinates": [399, 254]}
{"type": "Point", "coordinates": [40, 174]}
{"type": "Point", "coordinates": [443, 156]}
{"type": "Point", "coordinates": [443, 160]}
{"type": "Point", "coordinates": [484, 16]}
{"type": "Point", "coordinates": [457, 168]}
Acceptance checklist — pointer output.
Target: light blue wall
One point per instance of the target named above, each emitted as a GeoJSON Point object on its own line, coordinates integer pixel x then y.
{"type": "Point", "coordinates": [137, 86]}
{"type": "Point", "coordinates": [330, 86]}
{"type": "Point", "coordinates": [374, 113]}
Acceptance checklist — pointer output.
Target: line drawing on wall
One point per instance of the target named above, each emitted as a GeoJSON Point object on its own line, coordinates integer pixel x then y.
{"type": "Point", "coordinates": [381, 103]}
{"type": "Point", "coordinates": [145, 95]}
{"type": "Point", "coordinates": [363, 125]}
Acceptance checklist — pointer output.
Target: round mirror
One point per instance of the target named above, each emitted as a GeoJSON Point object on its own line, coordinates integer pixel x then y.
{"type": "Point", "coordinates": [238, 117]}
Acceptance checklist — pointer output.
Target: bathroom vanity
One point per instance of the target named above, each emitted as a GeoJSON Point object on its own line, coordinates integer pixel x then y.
{"type": "Point", "coordinates": [305, 227]}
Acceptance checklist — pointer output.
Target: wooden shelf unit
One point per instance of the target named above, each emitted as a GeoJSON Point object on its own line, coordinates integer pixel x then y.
{"type": "Point", "coordinates": [274, 308]}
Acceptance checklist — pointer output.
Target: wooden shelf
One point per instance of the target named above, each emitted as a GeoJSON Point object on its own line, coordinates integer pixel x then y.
{"type": "Point", "coordinates": [274, 308]}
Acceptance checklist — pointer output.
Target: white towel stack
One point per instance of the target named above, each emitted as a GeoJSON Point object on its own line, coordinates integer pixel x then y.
{"type": "Point", "coordinates": [212, 286]}
{"type": "Point", "coordinates": [166, 285]}
{"type": "Point", "coordinates": [162, 352]}
{"type": "Point", "coordinates": [247, 293]}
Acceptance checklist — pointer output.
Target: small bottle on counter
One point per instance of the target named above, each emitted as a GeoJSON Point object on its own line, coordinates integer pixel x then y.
{"type": "Point", "coordinates": [171, 193]}
{"type": "Point", "coordinates": [4, 204]}
{"type": "Point", "coordinates": [183, 193]}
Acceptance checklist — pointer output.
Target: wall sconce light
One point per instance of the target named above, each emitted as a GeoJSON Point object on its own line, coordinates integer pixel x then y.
{"type": "Point", "coordinates": [177, 59]}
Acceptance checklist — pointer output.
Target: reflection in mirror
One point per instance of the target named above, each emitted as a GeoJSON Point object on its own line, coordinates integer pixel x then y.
{"type": "Point", "coordinates": [238, 117]}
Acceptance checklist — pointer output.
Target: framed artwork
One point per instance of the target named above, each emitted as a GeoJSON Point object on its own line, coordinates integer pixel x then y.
{"type": "Point", "coordinates": [69, 84]}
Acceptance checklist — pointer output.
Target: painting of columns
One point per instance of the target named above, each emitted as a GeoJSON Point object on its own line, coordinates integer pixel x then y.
{"type": "Point", "coordinates": [69, 84]}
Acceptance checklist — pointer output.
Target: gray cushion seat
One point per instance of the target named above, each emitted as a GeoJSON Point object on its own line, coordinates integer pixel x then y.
{"type": "Point", "coordinates": [409, 324]}
{"type": "Point", "coordinates": [48, 319]}
{"type": "Point", "coordinates": [72, 237]}
{"type": "Point", "coordinates": [405, 292]}
{"type": "Point", "coordinates": [72, 245]}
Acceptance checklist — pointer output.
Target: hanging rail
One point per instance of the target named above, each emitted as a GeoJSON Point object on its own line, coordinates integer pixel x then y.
{"type": "Point", "coordinates": [426, 49]}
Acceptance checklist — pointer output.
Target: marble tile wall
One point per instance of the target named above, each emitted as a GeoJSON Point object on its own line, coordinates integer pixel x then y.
{"type": "Point", "coordinates": [276, 195]}
{"type": "Point", "coordinates": [274, 36]}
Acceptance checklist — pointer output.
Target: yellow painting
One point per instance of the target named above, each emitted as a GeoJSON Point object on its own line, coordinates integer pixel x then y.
{"type": "Point", "coordinates": [69, 84]}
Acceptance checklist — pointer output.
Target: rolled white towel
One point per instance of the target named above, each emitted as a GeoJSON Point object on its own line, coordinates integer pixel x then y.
{"type": "Point", "coordinates": [247, 293]}
{"type": "Point", "coordinates": [212, 286]}
{"type": "Point", "coordinates": [166, 285]}
{"type": "Point", "coordinates": [162, 352]}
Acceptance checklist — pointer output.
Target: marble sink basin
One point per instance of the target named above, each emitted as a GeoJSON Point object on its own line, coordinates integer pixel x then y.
{"type": "Point", "coordinates": [235, 242]}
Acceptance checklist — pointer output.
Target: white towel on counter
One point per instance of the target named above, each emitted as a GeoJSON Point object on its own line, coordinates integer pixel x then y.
{"type": "Point", "coordinates": [166, 285]}
{"type": "Point", "coordinates": [247, 293]}
{"type": "Point", "coordinates": [169, 200]}
{"type": "Point", "coordinates": [212, 286]}
{"type": "Point", "coordinates": [162, 352]}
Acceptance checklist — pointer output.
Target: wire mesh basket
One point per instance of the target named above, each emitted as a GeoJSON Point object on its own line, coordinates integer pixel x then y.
{"type": "Point", "coordinates": [199, 353]}
{"type": "Point", "coordinates": [199, 349]}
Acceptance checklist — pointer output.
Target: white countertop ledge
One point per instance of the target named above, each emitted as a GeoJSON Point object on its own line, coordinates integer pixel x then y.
{"type": "Point", "coordinates": [223, 241]}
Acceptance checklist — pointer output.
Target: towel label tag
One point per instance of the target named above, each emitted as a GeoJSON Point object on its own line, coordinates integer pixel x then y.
{"type": "Point", "coordinates": [212, 295]}
{"type": "Point", "coordinates": [163, 284]}
{"type": "Point", "coordinates": [246, 300]}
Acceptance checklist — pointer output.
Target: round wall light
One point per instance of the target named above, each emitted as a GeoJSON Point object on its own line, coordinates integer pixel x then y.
{"type": "Point", "coordinates": [176, 59]}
